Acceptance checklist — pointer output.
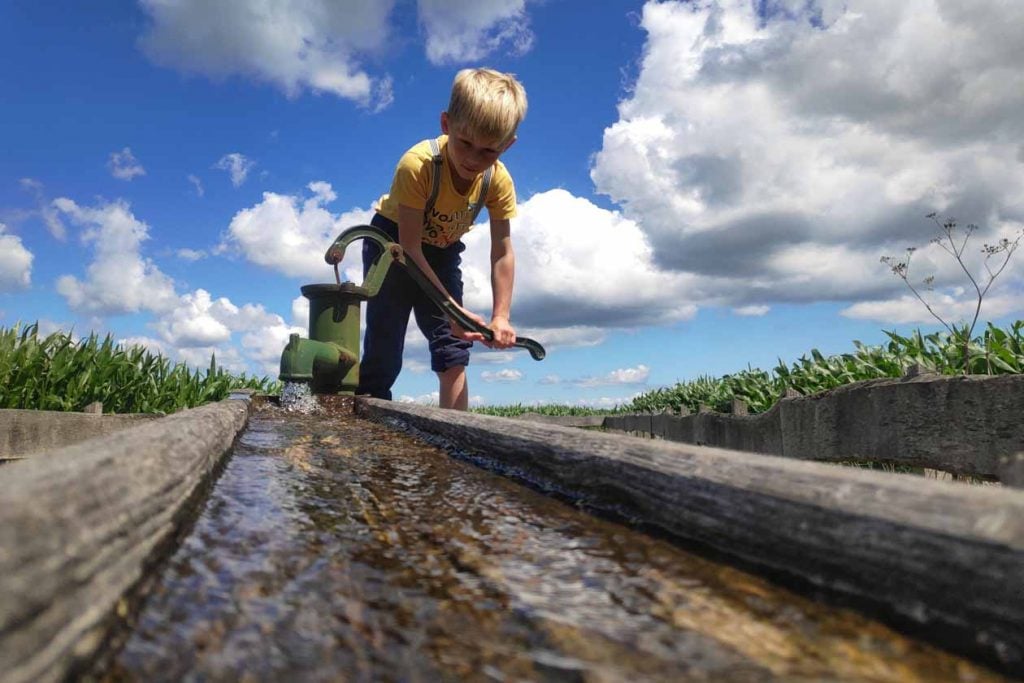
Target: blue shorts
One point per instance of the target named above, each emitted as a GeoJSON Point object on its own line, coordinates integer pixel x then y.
{"type": "Point", "coordinates": [387, 316]}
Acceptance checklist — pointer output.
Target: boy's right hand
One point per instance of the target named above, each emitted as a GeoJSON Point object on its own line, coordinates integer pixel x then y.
{"type": "Point", "coordinates": [469, 335]}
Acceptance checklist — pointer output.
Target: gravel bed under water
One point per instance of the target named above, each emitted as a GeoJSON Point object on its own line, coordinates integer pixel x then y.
{"type": "Point", "coordinates": [336, 549]}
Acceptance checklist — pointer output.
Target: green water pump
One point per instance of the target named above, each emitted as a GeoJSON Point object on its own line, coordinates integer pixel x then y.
{"type": "Point", "coordinates": [329, 359]}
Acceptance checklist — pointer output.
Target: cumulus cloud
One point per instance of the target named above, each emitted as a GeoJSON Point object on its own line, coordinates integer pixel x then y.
{"type": "Point", "coordinates": [506, 375]}
{"type": "Point", "coordinates": [15, 262]}
{"type": "Point", "coordinates": [637, 375]}
{"type": "Point", "coordinates": [124, 166]}
{"type": "Point", "coordinates": [777, 150]}
{"type": "Point", "coordinates": [118, 279]}
{"type": "Point", "coordinates": [752, 311]}
{"type": "Point", "coordinates": [191, 255]}
{"type": "Point", "coordinates": [290, 234]}
{"type": "Point", "coordinates": [197, 184]}
{"type": "Point", "coordinates": [188, 327]}
{"type": "Point", "coordinates": [578, 267]}
{"type": "Point", "coordinates": [432, 398]}
{"type": "Point", "coordinates": [200, 324]}
{"type": "Point", "coordinates": [489, 357]}
{"type": "Point", "coordinates": [49, 214]}
{"type": "Point", "coordinates": [469, 30]}
{"type": "Point", "coordinates": [237, 165]}
{"type": "Point", "coordinates": [152, 345]}
{"type": "Point", "coordinates": [295, 45]}
{"type": "Point", "coordinates": [952, 308]}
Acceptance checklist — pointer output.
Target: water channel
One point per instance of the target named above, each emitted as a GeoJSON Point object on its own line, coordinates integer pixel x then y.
{"type": "Point", "coordinates": [338, 549]}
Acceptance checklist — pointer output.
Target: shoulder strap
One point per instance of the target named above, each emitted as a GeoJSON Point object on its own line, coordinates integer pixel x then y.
{"type": "Point", "coordinates": [435, 182]}
{"type": "Point", "coordinates": [482, 197]}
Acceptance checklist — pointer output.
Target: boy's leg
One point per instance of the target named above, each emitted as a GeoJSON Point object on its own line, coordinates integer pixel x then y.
{"type": "Point", "coordinates": [449, 355]}
{"type": "Point", "coordinates": [387, 317]}
{"type": "Point", "coordinates": [454, 390]}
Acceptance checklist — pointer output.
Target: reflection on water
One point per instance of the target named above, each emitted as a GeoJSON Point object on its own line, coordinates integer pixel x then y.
{"type": "Point", "coordinates": [335, 549]}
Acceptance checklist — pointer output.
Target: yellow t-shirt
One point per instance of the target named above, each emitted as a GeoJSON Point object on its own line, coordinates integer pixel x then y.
{"type": "Point", "coordinates": [449, 218]}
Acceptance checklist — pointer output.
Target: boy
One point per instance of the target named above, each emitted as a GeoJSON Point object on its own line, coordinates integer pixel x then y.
{"type": "Point", "coordinates": [483, 113]}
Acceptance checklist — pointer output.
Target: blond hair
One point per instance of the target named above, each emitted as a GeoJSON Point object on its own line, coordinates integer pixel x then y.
{"type": "Point", "coordinates": [487, 104]}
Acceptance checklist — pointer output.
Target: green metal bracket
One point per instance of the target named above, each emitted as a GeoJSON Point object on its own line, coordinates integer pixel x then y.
{"type": "Point", "coordinates": [379, 270]}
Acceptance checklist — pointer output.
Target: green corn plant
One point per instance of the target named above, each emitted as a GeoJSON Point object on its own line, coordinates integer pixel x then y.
{"type": "Point", "coordinates": [57, 373]}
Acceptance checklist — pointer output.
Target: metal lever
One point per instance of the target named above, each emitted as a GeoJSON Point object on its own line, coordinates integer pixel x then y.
{"type": "Point", "coordinates": [391, 252]}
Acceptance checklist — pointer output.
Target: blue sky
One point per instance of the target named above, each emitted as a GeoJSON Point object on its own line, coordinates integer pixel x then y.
{"type": "Point", "coordinates": [702, 185]}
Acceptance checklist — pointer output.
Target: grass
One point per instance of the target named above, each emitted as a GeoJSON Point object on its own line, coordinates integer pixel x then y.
{"type": "Point", "coordinates": [56, 372]}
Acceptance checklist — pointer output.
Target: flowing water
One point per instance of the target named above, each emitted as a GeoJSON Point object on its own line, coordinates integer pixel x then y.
{"type": "Point", "coordinates": [337, 549]}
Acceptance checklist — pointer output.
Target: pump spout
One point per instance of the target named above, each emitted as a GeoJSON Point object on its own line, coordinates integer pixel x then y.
{"type": "Point", "coordinates": [304, 358]}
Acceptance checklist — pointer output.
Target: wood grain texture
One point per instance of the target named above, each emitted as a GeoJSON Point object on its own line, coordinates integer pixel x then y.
{"type": "Point", "coordinates": [81, 526]}
{"type": "Point", "coordinates": [943, 557]}
{"type": "Point", "coordinates": [960, 424]}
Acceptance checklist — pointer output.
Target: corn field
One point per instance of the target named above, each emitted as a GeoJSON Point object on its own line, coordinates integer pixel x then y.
{"type": "Point", "coordinates": [996, 351]}
{"type": "Point", "coordinates": [56, 372]}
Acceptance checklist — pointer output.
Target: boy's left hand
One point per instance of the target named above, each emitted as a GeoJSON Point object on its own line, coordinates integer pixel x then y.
{"type": "Point", "coordinates": [504, 334]}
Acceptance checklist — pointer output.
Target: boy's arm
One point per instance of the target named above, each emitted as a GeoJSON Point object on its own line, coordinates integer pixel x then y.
{"type": "Point", "coordinates": [503, 269]}
{"type": "Point", "coordinates": [410, 236]}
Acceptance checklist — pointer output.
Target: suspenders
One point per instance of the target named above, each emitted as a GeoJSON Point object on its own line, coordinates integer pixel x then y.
{"type": "Point", "coordinates": [435, 185]}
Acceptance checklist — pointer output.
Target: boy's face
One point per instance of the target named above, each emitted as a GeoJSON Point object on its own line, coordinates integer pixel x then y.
{"type": "Point", "coordinates": [468, 155]}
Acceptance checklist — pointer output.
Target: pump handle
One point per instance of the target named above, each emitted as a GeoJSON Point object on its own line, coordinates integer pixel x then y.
{"type": "Point", "coordinates": [393, 253]}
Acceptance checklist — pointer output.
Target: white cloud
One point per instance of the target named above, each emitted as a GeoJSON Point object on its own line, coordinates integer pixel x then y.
{"type": "Point", "coordinates": [469, 30]}
{"type": "Point", "coordinates": [506, 375]}
{"type": "Point", "coordinates": [195, 321]}
{"type": "Point", "coordinates": [124, 166]}
{"type": "Point", "coordinates": [604, 402]}
{"type": "Point", "coordinates": [484, 355]}
{"type": "Point", "coordinates": [778, 158]}
{"type": "Point", "coordinates": [152, 345]}
{"type": "Point", "coordinates": [237, 165]}
{"type": "Point", "coordinates": [294, 44]}
{"type": "Point", "coordinates": [550, 379]}
{"type": "Point", "coordinates": [191, 255]}
{"type": "Point", "coordinates": [953, 308]}
{"type": "Point", "coordinates": [415, 366]}
{"type": "Point", "coordinates": [565, 337]}
{"type": "Point", "coordinates": [300, 312]}
{"type": "Point", "coordinates": [118, 279]}
{"type": "Point", "coordinates": [15, 262]}
{"type": "Point", "coordinates": [200, 324]}
{"type": "Point", "coordinates": [188, 327]}
{"type": "Point", "coordinates": [430, 399]}
{"type": "Point", "coordinates": [290, 234]}
{"type": "Point", "coordinates": [50, 216]}
{"type": "Point", "coordinates": [578, 266]}
{"type": "Point", "coordinates": [752, 311]}
{"type": "Point", "coordinates": [637, 375]}
{"type": "Point", "coordinates": [197, 184]}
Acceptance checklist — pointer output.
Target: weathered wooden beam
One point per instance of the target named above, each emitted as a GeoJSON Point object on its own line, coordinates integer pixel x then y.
{"type": "Point", "coordinates": [23, 432]}
{"type": "Point", "coordinates": [957, 424]}
{"type": "Point", "coordinates": [945, 557]}
{"type": "Point", "coordinates": [81, 526]}
{"type": "Point", "coordinates": [563, 420]}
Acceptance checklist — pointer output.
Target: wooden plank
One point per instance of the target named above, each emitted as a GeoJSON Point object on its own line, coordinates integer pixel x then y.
{"type": "Point", "coordinates": [563, 420]}
{"type": "Point", "coordinates": [962, 425]}
{"type": "Point", "coordinates": [23, 432]}
{"type": "Point", "coordinates": [943, 557]}
{"type": "Point", "coordinates": [80, 527]}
